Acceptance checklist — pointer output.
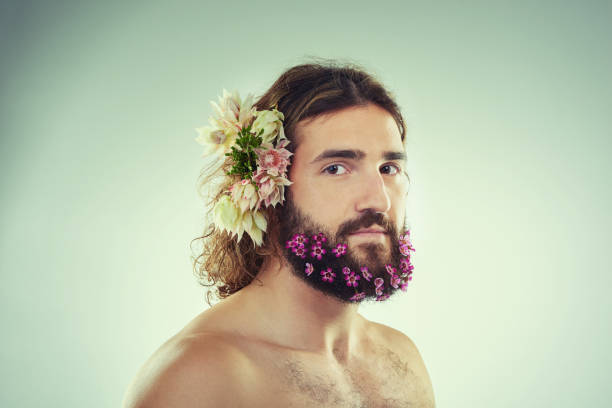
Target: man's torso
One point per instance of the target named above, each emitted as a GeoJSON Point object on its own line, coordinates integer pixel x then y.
{"type": "Point", "coordinates": [386, 371]}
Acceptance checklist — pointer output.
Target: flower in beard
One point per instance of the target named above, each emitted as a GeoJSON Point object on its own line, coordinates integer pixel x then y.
{"type": "Point", "coordinates": [300, 239]}
{"type": "Point", "coordinates": [339, 250]}
{"type": "Point", "coordinates": [404, 239]}
{"type": "Point", "coordinates": [300, 251]}
{"type": "Point", "coordinates": [352, 279]}
{"type": "Point", "coordinates": [395, 281]}
{"type": "Point", "coordinates": [317, 251]}
{"type": "Point", "coordinates": [379, 283]}
{"type": "Point", "coordinates": [328, 275]}
{"type": "Point", "coordinates": [405, 245]}
{"type": "Point", "coordinates": [309, 269]}
{"type": "Point", "coordinates": [365, 273]}
{"type": "Point", "coordinates": [405, 264]}
{"type": "Point", "coordinates": [358, 296]}
{"type": "Point", "coordinates": [405, 250]}
{"type": "Point", "coordinates": [390, 269]}
{"type": "Point", "coordinates": [320, 238]}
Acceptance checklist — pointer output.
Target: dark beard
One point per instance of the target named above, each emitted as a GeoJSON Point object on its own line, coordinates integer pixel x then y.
{"type": "Point", "coordinates": [292, 221]}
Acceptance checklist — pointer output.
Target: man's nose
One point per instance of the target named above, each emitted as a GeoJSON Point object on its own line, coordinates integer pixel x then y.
{"type": "Point", "coordinates": [373, 195]}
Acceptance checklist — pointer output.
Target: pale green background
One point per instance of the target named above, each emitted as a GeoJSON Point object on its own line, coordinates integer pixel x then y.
{"type": "Point", "coordinates": [508, 106]}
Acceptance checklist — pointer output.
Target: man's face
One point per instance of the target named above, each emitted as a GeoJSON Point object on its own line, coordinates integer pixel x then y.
{"type": "Point", "coordinates": [349, 184]}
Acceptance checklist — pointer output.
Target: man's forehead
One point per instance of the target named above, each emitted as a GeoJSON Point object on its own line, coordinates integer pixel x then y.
{"type": "Point", "coordinates": [354, 133]}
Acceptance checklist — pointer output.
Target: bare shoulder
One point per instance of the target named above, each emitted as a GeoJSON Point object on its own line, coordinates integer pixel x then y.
{"type": "Point", "coordinates": [398, 341]}
{"type": "Point", "coordinates": [188, 371]}
{"type": "Point", "coordinates": [395, 338]}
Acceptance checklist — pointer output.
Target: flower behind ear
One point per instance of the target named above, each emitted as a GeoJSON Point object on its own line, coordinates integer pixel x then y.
{"type": "Point", "coordinates": [245, 140]}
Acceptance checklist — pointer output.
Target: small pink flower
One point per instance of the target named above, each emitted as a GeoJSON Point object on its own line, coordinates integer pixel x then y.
{"type": "Point", "coordinates": [395, 281]}
{"type": "Point", "coordinates": [405, 246]}
{"type": "Point", "coordinates": [379, 283]}
{"type": "Point", "coordinates": [339, 250]}
{"type": "Point", "coordinates": [390, 269]}
{"type": "Point", "coordinates": [405, 264]}
{"type": "Point", "coordinates": [382, 297]}
{"type": "Point", "coordinates": [346, 270]}
{"type": "Point", "coordinates": [274, 161]}
{"type": "Point", "coordinates": [290, 244]}
{"type": "Point", "coordinates": [405, 250]}
{"type": "Point", "coordinates": [351, 280]}
{"type": "Point", "coordinates": [300, 251]}
{"type": "Point", "coordinates": [309, 269]}
{"type": "Point", "coordinates": [328, 275]}
{"type": "Point", "coordinates": [358, 296]}
{"type": "Point", "coordinates": [365, 273]}
{"type": "Point", "coordinates": [320, 238]}
{"type": "Point", "coordinates": [317, 251]}
{"type": "Point", "coordinates": [300, 239]}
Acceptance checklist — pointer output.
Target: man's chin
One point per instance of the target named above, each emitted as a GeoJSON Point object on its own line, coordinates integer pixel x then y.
{"type": "Point", "coordinates": [371, 254]}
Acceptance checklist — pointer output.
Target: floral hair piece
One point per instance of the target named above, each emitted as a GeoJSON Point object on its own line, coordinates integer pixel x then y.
{"type": "Point", "coordinates": [251, 144]}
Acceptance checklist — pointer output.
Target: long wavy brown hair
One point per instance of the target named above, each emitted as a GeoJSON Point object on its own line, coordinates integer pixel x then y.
{"type": "Point", "coordinates": [306, 91]}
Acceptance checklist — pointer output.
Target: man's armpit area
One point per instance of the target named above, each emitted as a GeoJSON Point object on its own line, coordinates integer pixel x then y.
{"type": "Point", "coordinates": [199, 371]}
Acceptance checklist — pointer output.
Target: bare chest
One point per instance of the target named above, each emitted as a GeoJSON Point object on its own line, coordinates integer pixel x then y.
{"type": "Point", "coordinates": [383, 380]}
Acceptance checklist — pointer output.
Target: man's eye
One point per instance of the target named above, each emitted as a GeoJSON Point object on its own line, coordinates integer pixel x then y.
{"type": "Point", "coordinates": [335, 169]}
{"type": "Point", "coordinates": [390, 169]}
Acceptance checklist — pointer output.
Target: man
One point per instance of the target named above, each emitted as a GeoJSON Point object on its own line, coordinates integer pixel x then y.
{"type": "Point", "coordinates": [292, 335]}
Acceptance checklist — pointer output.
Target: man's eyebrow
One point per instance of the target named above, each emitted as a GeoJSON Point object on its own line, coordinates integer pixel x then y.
{"type": "Point", "coordinates": [355, 154]}
{"type": "Point", "coordinates": [339, 154]}
{"type": "Point", "coordinates": [395, 156]}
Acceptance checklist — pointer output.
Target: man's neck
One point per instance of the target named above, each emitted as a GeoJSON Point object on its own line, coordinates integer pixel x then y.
{"type": "Point", "coordinates": [294, 315]}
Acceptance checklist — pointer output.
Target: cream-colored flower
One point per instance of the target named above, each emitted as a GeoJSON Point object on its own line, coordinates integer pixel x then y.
{"type": "Point", "coordinates": [271, 123]}
{"type": "Point", "coordinates": [226, 214]}
{"type": "Point", "coordinates": [229, 217]}
{"type": "Point", "coordinates": [233, 114]}
{"type": "Point", "coordinates": [244, 195]}
{"type": "Point", "coordinates": [214, 140]}
{"type": "Point", "coordinates": [255, 224]}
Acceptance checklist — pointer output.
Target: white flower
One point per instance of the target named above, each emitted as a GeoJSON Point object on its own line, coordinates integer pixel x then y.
{"type": "Point", "coordinates": [226, 214]}
{"type": "Point", "coordinates": [255, 224]}
{"type": "Point", "coordinates": [231, 115]}
{"type": "Point", "coordinates": [271, 123]}
{"type": "Point", "coordinates": [229, 217]}
{"type": "Point", "coordinates": [214, 140]}
{"type": "Point", "coordinates": [244, 195]}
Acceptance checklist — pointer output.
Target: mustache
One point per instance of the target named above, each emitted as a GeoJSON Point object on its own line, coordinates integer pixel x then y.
{"type": "Point", "coordinates": [369, 218]}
